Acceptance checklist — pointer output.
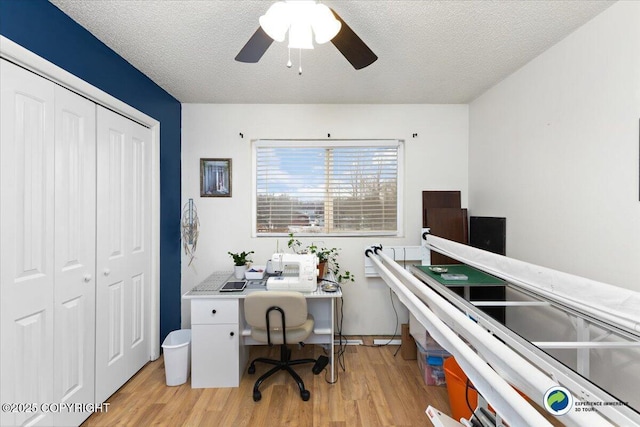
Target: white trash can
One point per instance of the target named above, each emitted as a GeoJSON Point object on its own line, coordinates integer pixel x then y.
{"type": "Point", "coordinates": [177, 356]}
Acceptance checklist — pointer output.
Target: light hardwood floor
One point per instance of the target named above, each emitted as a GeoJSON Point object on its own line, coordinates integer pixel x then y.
{"type": "Point", "coordinates": [376, 389]}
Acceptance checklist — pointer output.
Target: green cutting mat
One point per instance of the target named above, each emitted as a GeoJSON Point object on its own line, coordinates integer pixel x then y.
{"type": "Point", "coordinates": [475, 276]}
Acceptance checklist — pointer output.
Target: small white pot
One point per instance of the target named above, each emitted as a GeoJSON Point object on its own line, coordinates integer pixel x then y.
{"type": "Point", "coordinates": [239, 270]}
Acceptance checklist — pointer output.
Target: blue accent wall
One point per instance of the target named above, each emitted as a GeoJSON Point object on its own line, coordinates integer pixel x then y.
{"type": "Point", "coordinates": [45, 30]}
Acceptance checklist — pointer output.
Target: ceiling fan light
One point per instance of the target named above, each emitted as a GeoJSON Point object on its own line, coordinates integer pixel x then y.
{"type": "Point", "coordinates": [325, 25]}
{"type": "Point", "coordinates": [300, 36]}
{"type": "Point", "coordinates": [276, 21]}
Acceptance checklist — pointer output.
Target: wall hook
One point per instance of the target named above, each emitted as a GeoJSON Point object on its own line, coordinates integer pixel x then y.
{"type": "Point", "coordinates": [241, 135]}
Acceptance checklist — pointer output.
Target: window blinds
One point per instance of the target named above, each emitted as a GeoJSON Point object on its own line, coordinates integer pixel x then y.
{"type": "Point", "coordinates": [327, 187]}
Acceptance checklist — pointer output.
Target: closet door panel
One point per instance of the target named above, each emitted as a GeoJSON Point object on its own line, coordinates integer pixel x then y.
{"type": "Point", "coordinates": [75, 186]}
{"type": "Point", "coordinates": [111, 366]}
{"type": "Point", "coordinates": [123, 257]}
{"type": "Point", "coordinates": [26, 247]}
{"type": "Point", "coordinates": [140, 259]}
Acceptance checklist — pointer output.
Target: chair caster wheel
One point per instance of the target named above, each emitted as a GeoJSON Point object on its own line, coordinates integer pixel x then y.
{"type": "Point", "coordinates": [252, 369]}
{"type": "Point", "coordinates": [304, 394]}
{"type": "Point", "coordinates": [257, 395]}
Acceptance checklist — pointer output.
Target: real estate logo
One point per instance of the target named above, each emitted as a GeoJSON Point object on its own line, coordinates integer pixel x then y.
{"type": "Point", "coordinates": [558, 400]}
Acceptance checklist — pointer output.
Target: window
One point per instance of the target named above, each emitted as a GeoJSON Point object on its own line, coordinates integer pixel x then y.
{"type": "Point", "coordinates": [327, 187]}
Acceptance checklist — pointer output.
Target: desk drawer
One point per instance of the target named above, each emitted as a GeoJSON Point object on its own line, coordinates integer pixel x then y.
{"type": "Point", "coordinates": [214, 311]}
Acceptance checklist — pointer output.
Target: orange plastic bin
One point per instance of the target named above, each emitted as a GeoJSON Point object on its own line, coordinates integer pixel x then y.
{"type": "Point", "coordinates": [456, 389]}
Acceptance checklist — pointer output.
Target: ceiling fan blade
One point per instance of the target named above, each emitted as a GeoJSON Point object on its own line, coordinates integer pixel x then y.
{"type": "Point", "coordinates": [352, 47]}
{"type": "Point", "coordinates": [255, 47]}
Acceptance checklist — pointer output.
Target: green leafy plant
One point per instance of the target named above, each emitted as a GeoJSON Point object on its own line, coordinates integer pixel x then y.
{"type": "Point", "coordinates": [294, 244]}
{"type": "Point", "coordinates": [325, 255]}
{"type": "Point", "coordinates": [240, 259]}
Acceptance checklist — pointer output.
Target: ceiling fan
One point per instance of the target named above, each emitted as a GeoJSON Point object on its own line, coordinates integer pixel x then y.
{"type": "Point", "coordinates": [299, 18]}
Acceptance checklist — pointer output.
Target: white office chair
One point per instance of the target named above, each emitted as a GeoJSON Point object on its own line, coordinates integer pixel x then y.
{"type": "Point", "coordinates": [279, 317]}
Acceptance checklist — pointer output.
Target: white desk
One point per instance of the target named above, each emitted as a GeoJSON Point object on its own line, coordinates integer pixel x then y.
{"type": "Point", "coordinates": [220, 336]}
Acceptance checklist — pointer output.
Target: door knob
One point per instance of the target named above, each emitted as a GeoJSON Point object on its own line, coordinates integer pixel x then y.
{"type": "Point", "coordinates": [106, 272]}
{"type": "Point", "coordinates": [86, 278]}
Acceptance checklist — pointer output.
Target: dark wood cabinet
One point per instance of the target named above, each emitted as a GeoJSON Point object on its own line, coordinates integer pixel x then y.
{"type": "Point", "coordinates": [441, 212]}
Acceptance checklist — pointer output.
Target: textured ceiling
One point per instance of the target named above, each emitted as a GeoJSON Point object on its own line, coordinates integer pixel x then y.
{"type": "Point", "coordinates": [429, 51]}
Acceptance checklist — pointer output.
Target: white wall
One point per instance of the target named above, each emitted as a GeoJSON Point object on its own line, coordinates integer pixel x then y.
{"type": "Point", "coordinates": [435, 160]}
{"type": "Point", "coordinates": [554, 149]}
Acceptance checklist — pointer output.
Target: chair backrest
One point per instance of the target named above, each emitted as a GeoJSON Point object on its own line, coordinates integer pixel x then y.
{"type": "Point", "coordinates": [294, 305]}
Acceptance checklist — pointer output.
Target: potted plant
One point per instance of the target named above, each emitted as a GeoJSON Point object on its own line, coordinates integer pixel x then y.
{"type": "Point", "coordinates": [327, 259]}
{"type": "Point", "coordinates": [240, 261]}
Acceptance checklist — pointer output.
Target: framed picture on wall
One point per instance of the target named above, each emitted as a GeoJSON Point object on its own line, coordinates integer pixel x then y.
{"type": "Point", "coordinates": [215, 177]}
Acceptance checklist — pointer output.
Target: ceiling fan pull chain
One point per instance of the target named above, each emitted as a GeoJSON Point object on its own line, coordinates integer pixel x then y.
{"type": "Point", "coordinates": [289, 61]}
{"type": "Point", "coordinates": [300, 61]}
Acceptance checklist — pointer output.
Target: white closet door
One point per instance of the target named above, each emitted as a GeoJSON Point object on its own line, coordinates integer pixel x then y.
{"type": "Point", "coordinates": [26, 246]}
{"type": "Point", "coordinates": [75, 252]}
{"type": "Point", "coordinates": [123, 252]}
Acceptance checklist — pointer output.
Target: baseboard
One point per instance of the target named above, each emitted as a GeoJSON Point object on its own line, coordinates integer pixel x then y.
{"type": "Point", "coordinates": [386, 341]}
{"type": "Point", "coordinates": [348, 342]}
